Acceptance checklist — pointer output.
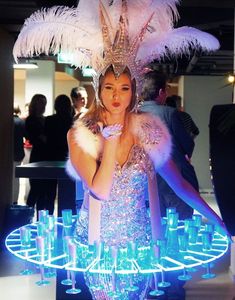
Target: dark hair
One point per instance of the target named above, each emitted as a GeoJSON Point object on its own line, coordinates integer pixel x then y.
{"type": "Point", "coordinates": [173, 101]}
{"type": "Point", "coordinates": [153, 82]}
{"type": "Point", "coordinates": [75, 91]}
{"type": "Point", "coordinates": [16, 109]}
{"type": "Point", "coordinates": [63, 105]}
{"type": "Point", "coordinates": [37, 105]}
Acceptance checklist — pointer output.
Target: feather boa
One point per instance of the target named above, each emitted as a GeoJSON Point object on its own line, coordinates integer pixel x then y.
{"type": "Point", "coordinates": [152, 135]}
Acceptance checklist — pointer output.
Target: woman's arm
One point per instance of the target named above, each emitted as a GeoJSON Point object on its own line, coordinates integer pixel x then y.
{"type": "Point", "coordinates": [97, 177]}
{"type": "Point", "coordinates": [187, 193]}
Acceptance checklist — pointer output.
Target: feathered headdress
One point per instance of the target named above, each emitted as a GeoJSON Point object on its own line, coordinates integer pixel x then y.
{"type": "Point", "coordinates": [121, 33]}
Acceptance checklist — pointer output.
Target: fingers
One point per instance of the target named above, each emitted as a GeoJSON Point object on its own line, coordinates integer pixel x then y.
{"type": "Point", "coordinates": [112, 131]}
{"type": "Point", "coordinates": [108, 132]}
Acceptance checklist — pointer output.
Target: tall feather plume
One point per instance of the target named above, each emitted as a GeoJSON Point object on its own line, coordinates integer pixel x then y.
{"type": "Point", "coordinates": [138, 30]}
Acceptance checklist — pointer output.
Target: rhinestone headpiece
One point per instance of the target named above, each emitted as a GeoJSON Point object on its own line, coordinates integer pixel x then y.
{"type": "Point", "coordinates": [119, 51]}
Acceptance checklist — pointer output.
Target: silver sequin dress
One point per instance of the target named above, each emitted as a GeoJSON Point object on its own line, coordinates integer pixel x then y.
{"type": "Point", "coordinates": [124, 218]}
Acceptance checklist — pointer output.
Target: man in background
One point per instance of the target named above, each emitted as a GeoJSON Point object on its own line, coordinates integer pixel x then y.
{"type": "Point", "coordinates": [175, 102]}
{"type": "Point", "coordinates": [154, 94]}
{"type": "Point", "coordinates": [79, 99]}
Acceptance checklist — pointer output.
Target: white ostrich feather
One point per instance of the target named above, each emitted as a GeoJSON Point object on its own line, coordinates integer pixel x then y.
{"type": "Point", "coordinates": [175, 42]}
{"type": "Point", "coordinates": [78, 32]}
{"type": "Point", "coordinates": [59, 29]}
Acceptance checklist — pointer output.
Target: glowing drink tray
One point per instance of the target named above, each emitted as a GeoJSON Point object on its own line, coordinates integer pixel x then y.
{"type": "Point", "coordinates": [175, 254]}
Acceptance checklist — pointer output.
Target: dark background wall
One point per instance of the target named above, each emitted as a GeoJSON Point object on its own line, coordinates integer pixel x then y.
{"type": "Point", "coordinates": [6, 122]}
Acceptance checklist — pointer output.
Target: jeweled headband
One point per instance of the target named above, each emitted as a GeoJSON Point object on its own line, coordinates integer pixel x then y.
{"type": "Point", "coordinates": [121, 33]}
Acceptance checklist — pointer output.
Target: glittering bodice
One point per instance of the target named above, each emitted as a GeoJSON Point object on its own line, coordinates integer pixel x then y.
{"type": "Point", "coordinates": [124, 216]}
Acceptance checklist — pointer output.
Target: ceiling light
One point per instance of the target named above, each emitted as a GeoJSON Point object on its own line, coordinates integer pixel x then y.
{"type": "Point", "coordinates": [88, 72]}
{"type": "Point", "coordinates": [231, 78]}
{"type": "Point", "coordinates": [25, 66]}
{"type": "Point", "coordinates": [64, 58]}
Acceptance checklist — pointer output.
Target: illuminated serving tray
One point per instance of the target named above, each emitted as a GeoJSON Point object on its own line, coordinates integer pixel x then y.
{"type": "Point", "coordinates": [174, 254]}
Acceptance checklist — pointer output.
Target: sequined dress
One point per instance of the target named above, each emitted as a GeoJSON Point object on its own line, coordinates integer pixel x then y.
{"type": "Point", "coordinates": [124, 216]}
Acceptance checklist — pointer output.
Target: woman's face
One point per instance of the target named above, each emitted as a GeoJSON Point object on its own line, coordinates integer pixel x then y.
{"type": "Point", "coordinates": [116, 93]}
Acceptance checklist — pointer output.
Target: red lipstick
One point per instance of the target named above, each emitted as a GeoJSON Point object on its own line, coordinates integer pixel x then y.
{"type": "Point", "coordinates": [116, 104]}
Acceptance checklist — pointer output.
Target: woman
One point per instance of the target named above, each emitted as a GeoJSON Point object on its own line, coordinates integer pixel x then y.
{"type": "Point", "coordinates": [34, 126]}
{"type": "Point", "coordinates": [116, 175]}
{"type": "Point", "coordinates": [112, 149]}
{"type": "Point", "coordinates": [56, 128]}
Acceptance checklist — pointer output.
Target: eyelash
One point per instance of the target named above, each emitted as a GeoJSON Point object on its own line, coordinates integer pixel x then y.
{"type": "Point", "coordinates": [123, 88]}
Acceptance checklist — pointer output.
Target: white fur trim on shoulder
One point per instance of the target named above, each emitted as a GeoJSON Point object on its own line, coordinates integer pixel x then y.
{"type": "Point", "coordinates": [153, 135]}
{"type": "Point", "coordinates": [89, 142]}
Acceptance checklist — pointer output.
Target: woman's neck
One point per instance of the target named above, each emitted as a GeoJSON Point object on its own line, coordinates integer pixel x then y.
{"type": "Point", "coordinates": [111, 119]}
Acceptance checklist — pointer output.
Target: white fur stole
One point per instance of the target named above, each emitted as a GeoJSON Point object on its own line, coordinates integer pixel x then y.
{"type": "Point", "coordinates": [150, 131]}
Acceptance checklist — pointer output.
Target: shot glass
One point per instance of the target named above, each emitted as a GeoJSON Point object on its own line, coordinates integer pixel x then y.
{"type": "Point", "coordinates": [170, 210]}
{"type": "Point", "coordinates": [25, 236]}
{"type": "Point", "coordinates": [187, 224]}
{"type": "Point", "coordinates": [172, 220]}
{"type": "Point", "coordinates": [50, 222]}
{"type": "Point", "coordinates": [197, 220]}
{"type": "Point", "coordinates": [41, 227]}
{"type": "Point", "coordinates": [72, 248]}
{"type": "Point", "coordinates": [50, 240]}
{"type": "Point", "coordinates": [42, 215]}
{"type": "Point", "coordinates": [67, 217]}
{"type": "Point", "coordinates": [183, 242]}
{"type": "Point", "coordinates": [206, 241]}
{"type": "Point", "coordinates": [66, 240]}
{"type": "Point", "coordinates": [40, 245]}
{"type": "Point", "coordinates": [192, 234]}
{"type": "Point", "coordinates": [210, 228]}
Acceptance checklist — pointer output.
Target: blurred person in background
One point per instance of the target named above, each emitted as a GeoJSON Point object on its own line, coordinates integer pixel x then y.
{"type": "Point", "coordinates": [27, 151]}
{"type": "Point", "coordinates": [35, 125]}
{"type": "Point", "coordinates": [79, 99]}
{"type": "Point", "coordinates": [154, 94]}
{"type": "Point", "coordinates": [19, 134]}
{"type": "Point", "coordinates": [56, 128]}
{"type": "Point", "coordinates": [189, 125]}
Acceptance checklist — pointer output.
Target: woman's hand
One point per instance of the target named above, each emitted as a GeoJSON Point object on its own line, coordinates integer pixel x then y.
{"type": "Point", "coordinates": [107, 132]}
{"type": "Point", "coordinates": [112, 131]}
